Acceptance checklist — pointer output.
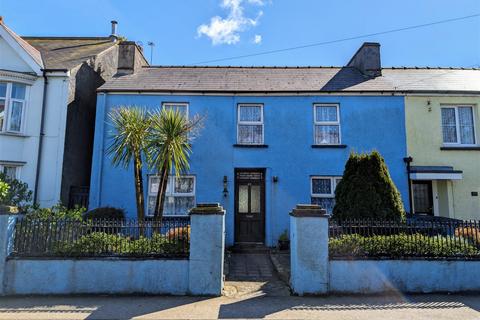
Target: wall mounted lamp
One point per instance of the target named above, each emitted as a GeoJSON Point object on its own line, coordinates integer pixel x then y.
{"type": "Point", "coordinates": [275, 179]}
{"type": "Point", "coordinates": [225, 184]}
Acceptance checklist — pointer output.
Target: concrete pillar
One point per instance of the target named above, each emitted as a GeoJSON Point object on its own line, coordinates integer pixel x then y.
{"type": "Point", "coordinates": [7, 224]}
{"type": "Point", "coordinates": [309, 250]}
{"type": "Point", "coordinates": [207, 246]}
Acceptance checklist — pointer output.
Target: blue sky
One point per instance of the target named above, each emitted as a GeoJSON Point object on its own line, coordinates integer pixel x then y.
{"type": "Point", "coordinates": [189, 31]}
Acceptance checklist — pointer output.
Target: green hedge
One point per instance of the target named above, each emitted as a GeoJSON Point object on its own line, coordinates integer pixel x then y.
{"type": "Point", "coordinates": [399, 245]}
{"type": "Point", "coordinates": [100, 243]}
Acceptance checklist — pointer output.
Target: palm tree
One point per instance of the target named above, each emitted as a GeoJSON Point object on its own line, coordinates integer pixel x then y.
{"type": "Point", "coordinates": [169, 148]}
{"type": "Point", "coordinates": [129, 136]}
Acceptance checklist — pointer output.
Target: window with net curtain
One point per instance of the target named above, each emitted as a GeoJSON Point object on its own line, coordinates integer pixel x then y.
{"type": "Point", "coordinates": [250, 124]}
{"type": "Point", "coordinates": [327, 124]}
{"type": "Point", "coordinates": [458, 125]}
{"type": "Point", "coordinates": [179, 196]}
{"type": "Point", "coordinates": [12, 105]}
{"type": "Point", "coordinates": [323, 191]}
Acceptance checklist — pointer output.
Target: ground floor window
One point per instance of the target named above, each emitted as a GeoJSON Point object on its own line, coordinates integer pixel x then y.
{"type": "Point", "coordinates": [11, 171]}
{"type": "Point", "coordinates": [179, 196]}
{"type": "Point", "coordinates": [323, 191]}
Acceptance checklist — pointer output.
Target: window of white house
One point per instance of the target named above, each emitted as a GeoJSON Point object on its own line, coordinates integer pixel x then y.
{"type": "Point", "coordinates": [458, 125]}
{"type": "Point", "coordinates": [181, 107]}
{"type": "Point", "coordinates": [10, 171]}
{"type": "Point", "coordinates": [179, 196]}
{"type": "Point", "coordinates": [12, 106]}
{"type": "Point", "coordinates": [250, 124]}
{"type": "Point", "coordinates": [323, 191]}
{"type": "Point", "coordinates": [327, 124]}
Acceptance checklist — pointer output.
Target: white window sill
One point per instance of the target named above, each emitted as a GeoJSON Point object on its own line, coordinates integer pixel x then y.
{"type": "Point", "coordinates": [13, 134]}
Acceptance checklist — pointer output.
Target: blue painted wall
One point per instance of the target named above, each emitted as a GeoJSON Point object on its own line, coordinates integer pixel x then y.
{"type": "Point", "coordinates": [367, 123]}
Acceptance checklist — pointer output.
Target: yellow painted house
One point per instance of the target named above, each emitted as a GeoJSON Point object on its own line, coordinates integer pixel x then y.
{"type": "Point", "coordinates": [443, 143]}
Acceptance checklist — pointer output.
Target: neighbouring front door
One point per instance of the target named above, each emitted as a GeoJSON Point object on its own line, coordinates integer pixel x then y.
{"type": "Point", "coordinates": [250, 205]}
{"type": "Point", "coordinates": [422, 197]}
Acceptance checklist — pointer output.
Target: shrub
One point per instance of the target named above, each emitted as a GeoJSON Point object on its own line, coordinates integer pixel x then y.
{"type": "Point", "coordinates": [109, 213]}
{"type": "Point", "coordinates": [57, 212]}
{"type": "Point", "coordinates": [367, 190]}
{"type": "Point", "coordinates": [4, 187]}
{"type": "Point", "coordinates": [399, 245]}
{"type": "Point", "coordinates": [101, 243]}
{"type": "Point", "coordinates": [18, 194]}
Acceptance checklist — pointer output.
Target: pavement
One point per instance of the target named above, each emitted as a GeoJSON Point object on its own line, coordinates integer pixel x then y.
{"type": "Point", "coordinates": [408, 307]}
{"type": "Point", "coordinates": [253, 290]}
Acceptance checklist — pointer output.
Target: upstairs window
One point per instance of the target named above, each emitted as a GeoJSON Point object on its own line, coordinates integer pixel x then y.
{"type": "Point", "coordinates": [327, 124]}
{"type": "Point", "coordinates": [12, 106]}
{"type": "Point", "coordinates": [180, 106]}
{"type": "Point", "coordinates": [179, 196]}
{"type": "Point", "coordinates": [250, 124]}
{"type": "Point", "coordinates": [323, 191]}
{"type": "Point", "coordinates": [458, 125]}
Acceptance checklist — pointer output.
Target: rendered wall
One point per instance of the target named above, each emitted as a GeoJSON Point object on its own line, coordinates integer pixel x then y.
{"type": "Point", "coordinates": [96, 276]}
{"type": "Point", "coordinates": [289, 156]}
{"type": "Point", "coordinates": [414, 276]}
{"type": "Point", "coordinates": [424, 139]}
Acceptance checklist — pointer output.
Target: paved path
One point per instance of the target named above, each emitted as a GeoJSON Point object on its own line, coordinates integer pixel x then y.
{"type": "Point", "coordinates": [252, 275]}
{"type": "Point", "coordinates": [438, 307]}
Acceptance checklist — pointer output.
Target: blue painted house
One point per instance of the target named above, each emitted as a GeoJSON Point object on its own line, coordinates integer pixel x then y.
{"type": "Point", "coordinates": [273, 137]}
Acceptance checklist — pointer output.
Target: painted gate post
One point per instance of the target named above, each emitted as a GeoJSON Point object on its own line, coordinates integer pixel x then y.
{"type": "Point", "coordinates": [8, 217]}
{"type": "Point", "coordinates": [309, 250]}
{"type": "Point", "coordinates": [207, 245]}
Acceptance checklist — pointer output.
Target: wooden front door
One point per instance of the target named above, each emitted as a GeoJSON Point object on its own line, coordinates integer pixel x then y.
{"type": "Point", "coordinates": [422, 197]}
{"type": "Point", "coordinates": [250, 205]}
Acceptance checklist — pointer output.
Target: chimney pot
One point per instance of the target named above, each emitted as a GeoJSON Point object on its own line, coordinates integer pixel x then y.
{"type": "Point", "coordinates": [114, 28]}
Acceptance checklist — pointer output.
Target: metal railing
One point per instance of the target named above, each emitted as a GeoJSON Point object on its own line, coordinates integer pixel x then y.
{"type": "Point", "coordinates": [102, 238]}
{"type": "Point", "coordinates": [414, 238]}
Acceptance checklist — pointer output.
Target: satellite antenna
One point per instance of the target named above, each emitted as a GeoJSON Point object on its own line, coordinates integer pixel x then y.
{"type": "Point", "coordinates": [151, 44]}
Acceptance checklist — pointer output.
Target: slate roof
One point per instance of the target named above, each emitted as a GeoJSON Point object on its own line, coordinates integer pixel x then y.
{"type": "Point", "coordinates": [294, 79]}
{"type": "Point", "coordinates": [68, 52]}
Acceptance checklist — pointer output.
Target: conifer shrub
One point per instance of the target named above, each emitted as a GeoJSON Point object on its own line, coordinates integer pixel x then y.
{"type": "Point", "coordinates": [367, 190]}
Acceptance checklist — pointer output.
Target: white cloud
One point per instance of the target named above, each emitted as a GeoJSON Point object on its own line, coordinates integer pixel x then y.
{"type": "Point", "coordinates": [227, 30]}
{"type": "Point", "coordinates": [257, 39]}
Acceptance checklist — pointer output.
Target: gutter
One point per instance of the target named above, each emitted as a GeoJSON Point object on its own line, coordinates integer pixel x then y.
{"type": "Point", "coordinates": [408, 161]}
{"type": "Point", "coordinates": [41, 134]}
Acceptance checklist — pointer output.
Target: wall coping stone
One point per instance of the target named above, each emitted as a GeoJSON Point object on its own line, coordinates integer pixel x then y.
{"type": "Point", "coordinates": [8, 210]}
{"type": "Point", "coordinates": [207, 209]}
{"type": "Point", "coordinates": [308, 210]}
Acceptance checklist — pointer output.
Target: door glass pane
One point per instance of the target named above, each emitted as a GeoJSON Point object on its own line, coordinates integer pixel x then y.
{"type": "Point", "coordinates": [421, 198]}
{"type": "Point", "coordinates": [16, 116]}
{"type": "Point", "coordinates": [243, 198]}
{"type": "Point", "coordinates": [327, 134]}
{"type": "Point", "coordinates": [255, 199]}
{"type": "Point", "coordinates": [449, 125]}
{"type": "Point", "coordinates": [465, 118]}
{"type": "Point", "coordinates": [251, 113]}
{"type": "Point", "coordinates": [18, 91]}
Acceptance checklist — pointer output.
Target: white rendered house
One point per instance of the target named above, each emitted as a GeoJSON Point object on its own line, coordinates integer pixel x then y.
{"type": "Point", "coordinates": [47, 108]}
